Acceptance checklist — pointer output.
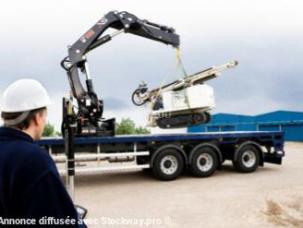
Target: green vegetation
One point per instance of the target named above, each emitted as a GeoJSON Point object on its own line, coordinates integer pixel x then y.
{"type": "Point", "coordinates": [128, 127]}
{"type": "Point", "coordinates": [49, 130]}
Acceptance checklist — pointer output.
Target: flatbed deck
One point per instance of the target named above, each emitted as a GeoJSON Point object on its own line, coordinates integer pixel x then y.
{"type": "Point", "coordinates": [277, 136]}
{"type": "Point", "coordinates": [159, 152]}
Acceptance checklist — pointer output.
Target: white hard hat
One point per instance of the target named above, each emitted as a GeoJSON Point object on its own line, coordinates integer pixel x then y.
{"type": "Point", "coordinates": [24, 95]}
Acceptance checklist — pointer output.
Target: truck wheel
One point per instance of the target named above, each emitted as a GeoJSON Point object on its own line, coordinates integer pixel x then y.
{"type": "Point", "coordinates": [204, 162]}
{"type": "Point", "coordinates": [168, 164]}
{"type": "Point", "coordinates": [247, 159]}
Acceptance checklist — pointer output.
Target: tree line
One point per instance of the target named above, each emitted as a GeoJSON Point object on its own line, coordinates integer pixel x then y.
{"type": "Point", "coordinates": [125, 127]}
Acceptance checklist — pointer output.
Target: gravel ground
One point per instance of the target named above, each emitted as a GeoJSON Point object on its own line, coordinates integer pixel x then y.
{"type": "Point", "coordinates": [270, 197]}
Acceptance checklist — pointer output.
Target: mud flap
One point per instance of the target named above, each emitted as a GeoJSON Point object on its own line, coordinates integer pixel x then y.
{"type": "Point", "coordinates": [273, 158]}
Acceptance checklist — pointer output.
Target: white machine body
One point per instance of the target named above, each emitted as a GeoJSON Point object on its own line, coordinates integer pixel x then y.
{"type": "Point", "coordinates": [199, 96]}
{"type": "Point", "coordinates": [194, 99]}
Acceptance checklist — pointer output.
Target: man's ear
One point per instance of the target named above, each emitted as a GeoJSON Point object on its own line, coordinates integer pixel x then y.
{"type": "Point", "coordinates": [36, 119]}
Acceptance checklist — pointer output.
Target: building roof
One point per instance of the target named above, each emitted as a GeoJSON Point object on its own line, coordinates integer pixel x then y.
{"type": "Point", "coordinates": [275, 116]}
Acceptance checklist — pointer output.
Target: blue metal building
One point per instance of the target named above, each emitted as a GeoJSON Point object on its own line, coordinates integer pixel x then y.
{"type": "Point", "coordinates": [289, 122]}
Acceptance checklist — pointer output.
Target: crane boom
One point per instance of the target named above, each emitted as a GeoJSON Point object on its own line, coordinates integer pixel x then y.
{"type": "Point", "coordinates": [90, 108]}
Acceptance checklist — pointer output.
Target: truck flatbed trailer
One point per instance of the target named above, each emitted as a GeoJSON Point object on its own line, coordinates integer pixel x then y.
{"type": "Point", "coordinates": [167, 155]}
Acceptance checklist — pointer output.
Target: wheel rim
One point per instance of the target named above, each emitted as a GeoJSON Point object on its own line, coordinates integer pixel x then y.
{"type": "Point", "coordinates": [169, 164]}
{"type": "Point", "coordinates": [205, 162]}
{"type": "Point", "coordinates": [138, 99]}
{"type": "Point", "coordinates": [249, 158]}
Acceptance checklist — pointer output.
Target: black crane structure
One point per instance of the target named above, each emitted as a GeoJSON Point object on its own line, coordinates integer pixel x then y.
{"type": "Point", "coordinates": [87, 120]}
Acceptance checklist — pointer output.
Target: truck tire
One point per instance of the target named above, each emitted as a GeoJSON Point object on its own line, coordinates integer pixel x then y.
{"type": "Point", "coordinates": [247, 159]}
{"type": "Point", "coordinates": [168, 164]}
{"type": "Point", "coordinates": [204, 162]}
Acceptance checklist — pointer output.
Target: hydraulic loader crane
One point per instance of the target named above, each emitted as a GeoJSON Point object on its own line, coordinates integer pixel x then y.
{"type": "Point", "coordinates": [88, 120]}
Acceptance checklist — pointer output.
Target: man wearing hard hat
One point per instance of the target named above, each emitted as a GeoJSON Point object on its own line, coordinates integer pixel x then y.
{"type": "Point", "coordinates": [30, 186]}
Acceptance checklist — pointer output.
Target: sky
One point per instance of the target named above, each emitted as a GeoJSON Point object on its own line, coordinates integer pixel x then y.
{"type": "Point", "coordinates": [264, 36]}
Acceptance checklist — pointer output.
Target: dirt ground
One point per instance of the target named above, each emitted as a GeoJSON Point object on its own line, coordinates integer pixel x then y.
{"type": "Point", "coordinates": [270, 197]}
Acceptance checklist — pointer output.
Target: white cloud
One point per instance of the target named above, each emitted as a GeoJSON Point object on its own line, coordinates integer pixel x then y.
{"type": "Point", "coordinates": [66, 20]}
{"type": "Point", "coordinates": [251, 105]}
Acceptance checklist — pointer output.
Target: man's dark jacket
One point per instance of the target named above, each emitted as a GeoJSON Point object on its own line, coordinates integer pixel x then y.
{"type": "Point", "coordinates": [30, 186]}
